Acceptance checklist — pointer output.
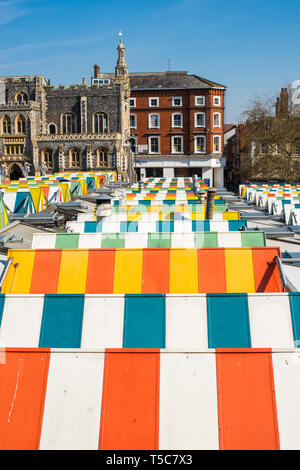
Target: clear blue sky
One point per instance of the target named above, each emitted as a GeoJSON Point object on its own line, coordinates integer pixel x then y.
{"type": "Point", "coordinates": [251, 46]}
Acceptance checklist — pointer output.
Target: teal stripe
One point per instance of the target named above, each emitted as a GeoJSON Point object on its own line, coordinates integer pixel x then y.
{"type": "Point", "coordinates": [295, 314]}
{"type": "Point", "coordinates": [145, 321]}
{"type": "Point", "coordinates": [228, 321]}
{"type": "Point", "coordinates": [62, 321]}
{"type": "Point", "coordinates": [2, 302]}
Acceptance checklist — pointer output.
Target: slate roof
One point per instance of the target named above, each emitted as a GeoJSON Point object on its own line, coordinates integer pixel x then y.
{"type": "Point", "coordinates": [175, 80]}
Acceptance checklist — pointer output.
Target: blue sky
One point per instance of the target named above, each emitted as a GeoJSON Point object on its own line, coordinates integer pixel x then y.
{"type": "Point", "coordinates": [251, 46]}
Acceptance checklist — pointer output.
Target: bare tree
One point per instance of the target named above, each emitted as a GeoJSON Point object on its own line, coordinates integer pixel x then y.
{"type": "Point", "coordinates": [272, 138]}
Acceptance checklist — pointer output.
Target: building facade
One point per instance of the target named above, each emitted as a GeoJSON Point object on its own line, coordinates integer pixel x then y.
{"type": "Point", "coordinates": [176, 123]}
{"type": "Point", "coordinates": [48, 129]}
{"type": "Point", "coordinates": [280, 141]}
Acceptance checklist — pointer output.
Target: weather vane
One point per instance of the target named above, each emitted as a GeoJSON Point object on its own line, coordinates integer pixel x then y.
{"type": "Point", "coordinates": [120, 34]}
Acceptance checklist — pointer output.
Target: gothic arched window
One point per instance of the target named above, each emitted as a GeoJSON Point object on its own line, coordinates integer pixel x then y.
{"type": "Point", "coordinates": [20, 125]}
{"type": "Point", "coordinates": [52, 129]}
{"type": "Point", "coordinates": [68, 123]}
{"type": "Point", "coordinates": [102, 157]}
{"type": "Point", "coordinates": [21, 97]}
{"type": "Point", "coordinates": [48, 157]}
{"type": "Point", "coordinates": [75, 158]}
{"type": "Point", "coordinates": [6, 125]}
{"type": "Point", "coordinates": [100, 123]}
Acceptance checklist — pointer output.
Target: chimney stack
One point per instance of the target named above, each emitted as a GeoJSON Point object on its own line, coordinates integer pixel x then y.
{"type": "Point", "coordinates": [282, 104]}
{"type": "Point", "coordinates": [96, 71]}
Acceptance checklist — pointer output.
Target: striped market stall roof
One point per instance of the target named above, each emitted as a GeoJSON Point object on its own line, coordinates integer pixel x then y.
{"type": "Point", "coordinates": [149, 240]}
{"type": "Point", "coordinates": [135, 271]}
{"type": "Point", "coordinates": [151, 321]}
{"type": "Point", "coordinates": [178, 226]}
{"type": "Point", "coordinates": [150, 399]}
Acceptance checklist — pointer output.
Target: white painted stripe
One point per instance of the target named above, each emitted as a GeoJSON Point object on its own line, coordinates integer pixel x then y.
{"type": "Point", "coordinates": [86, 217]}
{"type": "Point", "coordinates": [222, 226]}
{"type": "Point", "coordinates": [188, 402]}
{"type": "Point", "coordinates": [183, 240]}
{"type": "Point", "coordinates": [286, 368]}
{"type": "Point", "coordinates": [9, 199]}
{"type": "Point", "coordinates": [184, 226]}
{"type": "Point", "coordinates": [186, 322]}
{"type": "Point", "coordinates": [230, 240]}
{"type": "Point", "coordinates": [41, 240]}
{"type": "Point", "coordinates": [21, 321]}
{"type": "Point", "coordinates": [75, 227]}
{"type": "Point", "coordinates": [109, 227]}
{"type": "Point", "coordinates": [136, 240]}
{"type": "Point", "coordinates": [90, 240]}
{"type": "Point", "coordinates": [103, 322]}
{"type": "Point", "coordinates": [270, 321]}
{"type": "Point", "coordinates": [73, 402]}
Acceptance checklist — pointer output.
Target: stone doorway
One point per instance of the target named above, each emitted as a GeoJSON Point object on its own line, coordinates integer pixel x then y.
{"type": "Point", "coordinates": [15, 173]}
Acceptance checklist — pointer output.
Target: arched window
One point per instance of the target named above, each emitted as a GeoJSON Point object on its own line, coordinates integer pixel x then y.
{"type": "Point", "coordinates": [100, 123]}
{"type": "Point", "coordinates": [21, 97]}
{"type": "Point", "coordinates": [102, 157]}
{"type": "Point", "coordinates": [52, 129]}
{"type": "Point", "coordinates": [6, 125]}
{"type": "Point", "coordinates": [20, 125]}
{"type": "Point", "coordinates": [75, 158]}
{"type": "Point", "coordinates": [47, 157]}
{"type": "Point", "coordinates": [68, 123]}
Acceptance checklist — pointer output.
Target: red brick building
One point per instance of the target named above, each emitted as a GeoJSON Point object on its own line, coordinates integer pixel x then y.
{"type": "Point", "coordinates": [176, 123]}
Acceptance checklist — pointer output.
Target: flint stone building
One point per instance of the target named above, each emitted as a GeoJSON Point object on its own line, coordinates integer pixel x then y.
{"type": "Point", "coordinates": [65, 129]}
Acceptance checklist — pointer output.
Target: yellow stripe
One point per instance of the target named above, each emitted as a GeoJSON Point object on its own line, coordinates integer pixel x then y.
{"type": "Point", "coordinates": [18, 278]}
{"type": "Point", "coordinates": [239, 270]}
{"type": "Point", "coordinates": [73, 270]}
{"type": "Point", "coordinates": [128, 272]}
{"type": "Point", "coordinates": [232, 215]}
{"type": "Point", "coordinates": [197, 216]}
{"type": "Point", "coordinates": [183, 272]}
{"type": "Point", "coordinates": [133, 217]}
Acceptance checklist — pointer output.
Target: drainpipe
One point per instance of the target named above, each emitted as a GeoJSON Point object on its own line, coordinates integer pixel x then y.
{"type": "Point", "coordinates": [211, 193]}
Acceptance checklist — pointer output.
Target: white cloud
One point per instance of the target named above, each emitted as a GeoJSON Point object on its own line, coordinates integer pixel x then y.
{"type": "Point", "coordinates": [10, 10]}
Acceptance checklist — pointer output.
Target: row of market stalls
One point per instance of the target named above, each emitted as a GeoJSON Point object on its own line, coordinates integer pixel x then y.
{"type": "Point", "coordinates": [148, 326]}
{"type": "Point", "coordinates": [32, 195]}
{"type": "Point", "coordinates": [282, 201]}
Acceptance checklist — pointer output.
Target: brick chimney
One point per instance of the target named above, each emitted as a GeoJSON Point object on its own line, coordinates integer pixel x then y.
{"type": "Point", "coordinates": [282, 105]}
{"type": "Point", "coordinates": [278, 107]}
{"type": "Point", "coordinates": [96, 71]}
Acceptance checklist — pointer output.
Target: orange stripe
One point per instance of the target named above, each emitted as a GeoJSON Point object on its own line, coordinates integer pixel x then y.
{"type": "Point", "coordinates": [23, 383]}
{"type": "Point", "coordinates": [156, 271]}
{"type": "Point", "coordinates": [211, 270]}
{"type": "Point", "coordinates": [130, 402]}
{"type": "Point", "coordinates": [45, 273]}
{"type": "Point", "coordinates": [100, 272]}
{"type": "Point", "coordinates": [266, 277]}
{"type": "Point", "coordinates": [246, 400]}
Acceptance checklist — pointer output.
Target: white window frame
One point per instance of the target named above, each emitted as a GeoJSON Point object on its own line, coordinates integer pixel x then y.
{"type": "Point", "coordinates": [134, 102]}
{"type": "Point", "coordinates": [135, 120]}
{"type": "Point", "coordinates": [203, 98]}
{"type": "Point", "coordinates": [173, 120]}
{"type": "Point", "coordinates": [195, 119]}
{"type": "Point", "coordinates": [217, 114]}
{"type": "Point", "coordinates": [176, 98]}
{"type": "Point", "coordinates": [220, 140]}
{"type": "Point", "coordinates": [219, 101]}
{"type": "Point", "coordinates": [172, 144]}
{"type": "Point", "coordinates": [149, 144]}
{"type": "Point", "coordinates": [153, 105]}
{"type": "Point", "coordinates": [195, 143]}
{"type": "Point", "coordinates": [149, 121]}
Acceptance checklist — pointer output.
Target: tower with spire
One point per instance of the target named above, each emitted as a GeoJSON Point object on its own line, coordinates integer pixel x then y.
{"type": "Point", "coordinates": [122, 80]}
